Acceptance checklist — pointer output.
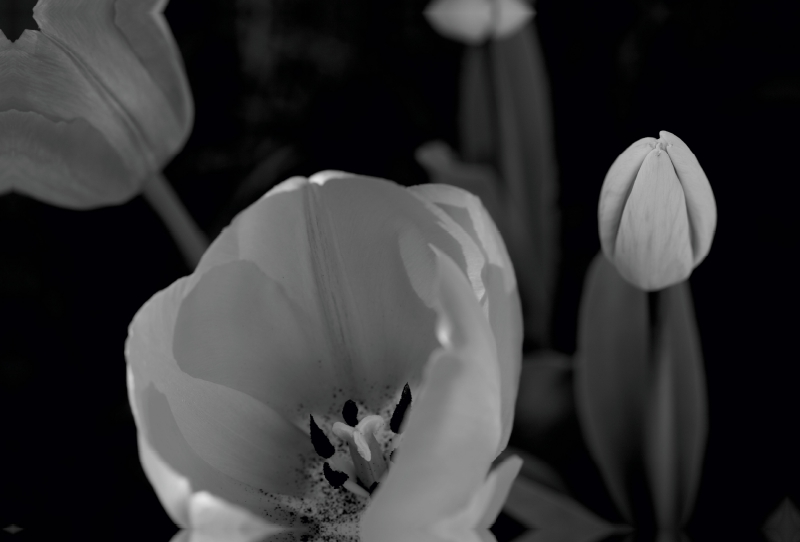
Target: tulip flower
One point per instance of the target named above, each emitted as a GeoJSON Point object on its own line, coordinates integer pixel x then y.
{"type": "Point", "coordinates": [657, 213]}
{"type": "Point", "coordinates": [473, 21]}
{"type": "Point", "coordinates": [344, 360]}
{"type": "Point", "coordinates": [91, 105]}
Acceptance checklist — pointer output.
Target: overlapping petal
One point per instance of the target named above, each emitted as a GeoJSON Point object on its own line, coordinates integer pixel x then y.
{"type": "Point", "coordinates": [92, 103]}
{"type": "Point", "coordinates": [502, 300]}
{"type": "Point", "coordinates": [436, 485]}
{"type": "Point", "coordinates": [324, 290]}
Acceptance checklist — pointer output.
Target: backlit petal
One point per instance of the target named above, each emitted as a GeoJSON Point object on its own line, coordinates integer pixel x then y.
{"type": "Point", "coordinates": [502, 301]}
{"type": "Point", "coordinates": [454, 426]}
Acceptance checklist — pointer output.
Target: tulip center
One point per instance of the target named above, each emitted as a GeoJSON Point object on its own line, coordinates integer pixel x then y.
{"type": "Point", "coordinates": [354, 463]}
{"type": "Point", "coordinates": [367, 463]}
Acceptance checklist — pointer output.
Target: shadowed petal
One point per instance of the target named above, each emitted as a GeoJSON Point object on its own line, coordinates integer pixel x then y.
{"type": "Point", "coordinates": [67, 163]}
{"type": "Point", "coordinates": [102, 51]}
{"type": "Point", "coordinates": [237, 327]}
{"type": "Point", "coordinates": [700, 203]}
{"type": "Point", "coordinates": [220, 439]}
{"type": "Point", "coordinates": [454, 426]}
{"type": "Point", "coordinates": [616, 188]}
{"type": "Point", "coordinates": [362, 278]}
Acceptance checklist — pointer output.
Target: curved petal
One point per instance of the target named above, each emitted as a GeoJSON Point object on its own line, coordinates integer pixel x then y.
{"type": "Point", "coordinates": [102, 51]}
{"type": "Point", "coordinates": [221, 440]}
{"type": "Point", "coordinates": [700, 203]}
{"type": "Point", "coordinates": [454, 426]}
{"type": "Point", "coordinates": [504, 311]}
{"type": "Point", "coordinates": [616, 187]}
{"type": "Point", "coordinates": [148, 34]}
{"type": "Point", "coordinates": [44, 127]}
{"type": "Point", "coordinates": [351, 254]}
{"type": "Point", "coordinates": [238, 328]}
{"type": "Point", "coordinates": [213, 519]}
{"type": "Point", "coordinates": [66, 163]}
{"type": "Point", "coordinates": [652, 248]}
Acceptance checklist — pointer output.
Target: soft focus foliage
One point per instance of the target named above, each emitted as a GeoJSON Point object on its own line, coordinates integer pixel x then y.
{"type": "Point", "coordinates": [92, 104]}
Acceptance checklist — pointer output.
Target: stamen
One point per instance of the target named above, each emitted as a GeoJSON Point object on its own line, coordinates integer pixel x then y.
{"type": "Point", "coordinates": [350, 413]}
{"type": "Point", "coordinates": [322, 445]}
{"type": "Point", "coordinates": [366, 453]}
{"type": "Point", "coordinates": [400, 410]}
{"type": "Point", "coordinates": [334, 477]}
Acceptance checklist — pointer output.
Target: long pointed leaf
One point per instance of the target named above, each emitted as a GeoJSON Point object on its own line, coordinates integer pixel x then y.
{"type": "Point", "coordinates": [611, 376]}
{"type": "Point", "coordinates": [526, 159]}
{"type": "Point", "coordinates": [679, 412]}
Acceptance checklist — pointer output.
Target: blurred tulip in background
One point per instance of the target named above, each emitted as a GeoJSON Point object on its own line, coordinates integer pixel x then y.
{"type": "Point", "coordinates": [657, 215]}
{"type": "Point", "coordinates": [331, 289]}
{"type": "Point", "coordinates": [507, 153]}
{"type": "Point", "coordinates": [93, 104]}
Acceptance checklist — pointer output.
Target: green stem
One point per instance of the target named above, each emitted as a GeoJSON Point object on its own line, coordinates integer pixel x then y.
{"type": "Point", "coordinates": [191, 240]}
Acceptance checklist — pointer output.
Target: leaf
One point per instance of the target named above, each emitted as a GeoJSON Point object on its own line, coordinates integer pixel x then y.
{"type": "Point", "coordinates": [556, 517]}
{"type": "Point", "coordinates": [678, 423]}
{"type": "Point", "coordinates": [527, 165]}
{"type": "Point", "coordinates": [611, 377]}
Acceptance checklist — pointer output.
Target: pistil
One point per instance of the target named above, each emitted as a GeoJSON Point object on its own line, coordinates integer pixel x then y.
{"type": "Point", "coordinates": [365, 451]}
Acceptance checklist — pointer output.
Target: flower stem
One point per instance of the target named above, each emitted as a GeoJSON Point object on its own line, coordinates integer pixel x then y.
{"type": "Point", "coordinates": [191, 240]}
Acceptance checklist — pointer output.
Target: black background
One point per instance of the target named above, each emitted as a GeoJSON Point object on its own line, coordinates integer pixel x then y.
{"type": "Point", "coordinates": [358, 85]}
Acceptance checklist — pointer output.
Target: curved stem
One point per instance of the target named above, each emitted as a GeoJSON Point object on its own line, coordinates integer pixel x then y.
{"type": "Point", "coordinates": [191, 240]}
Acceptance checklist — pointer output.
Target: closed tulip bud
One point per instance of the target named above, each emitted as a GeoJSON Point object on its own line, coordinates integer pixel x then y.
{"type": "Point", "coordinates": [657, 214]}
{"type": "Point", "coordinates": [474, 21]}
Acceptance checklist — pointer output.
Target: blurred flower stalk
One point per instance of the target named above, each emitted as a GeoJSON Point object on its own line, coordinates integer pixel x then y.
{"type": "Point", "coordinates": [92, 106]}
{"type": "Point", "coordinates": [507, 153]}
{"type": "Point", "coordinates": [270, 387]}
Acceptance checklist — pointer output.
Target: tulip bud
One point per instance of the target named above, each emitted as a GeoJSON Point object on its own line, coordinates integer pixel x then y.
{"type": "Point", "coordinates": [657, 214]}
{"type": "Point", "coordinates": [473, 21]}
{"type": "Point", "coordinates": [93, 104]}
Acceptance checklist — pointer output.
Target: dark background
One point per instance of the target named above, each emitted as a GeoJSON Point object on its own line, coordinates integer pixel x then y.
{"type": "Point", "coordinates": [299, 86]}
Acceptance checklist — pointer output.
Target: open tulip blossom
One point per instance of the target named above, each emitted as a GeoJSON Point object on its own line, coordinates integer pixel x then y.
{"type": "Point", "coordinates": [657, 213]}
{"type": "Point", "coordinates": [93, 104]}
{"type": "Point", "coordinates": [342, 365]}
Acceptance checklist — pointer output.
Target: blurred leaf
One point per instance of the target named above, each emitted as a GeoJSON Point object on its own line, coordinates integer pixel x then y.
{"type": "Point", "coordinates": [783, 525]}
{"type": "Point", "coordinates": [527, 165]}
{"type": "Point", "coordinates": [476, 107]}
{"type": "Point", "coordinates": [678, 423]}
{"type": "Point", "coordinates": [545, 396]}
{"type": "Point", "coordinates": [534, 469]}
{"type": "Point", "coordinates": [611, 376]}
{"type": "Point", "coordinates": [556, 517]}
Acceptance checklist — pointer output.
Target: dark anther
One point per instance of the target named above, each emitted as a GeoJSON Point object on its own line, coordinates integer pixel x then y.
{"type": "Point", "coordinates": [400, 410]}
{"type": "Point", "coordinates": [372, 487]}
{"type": "Point", "coordinates": [391, 456]}
{"type": "Point", "coordinates": [350, 413]}
{"type": "Point", "coordinates": [334, 477]}
{"type": "Point", "coordinates": [322, 445]}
